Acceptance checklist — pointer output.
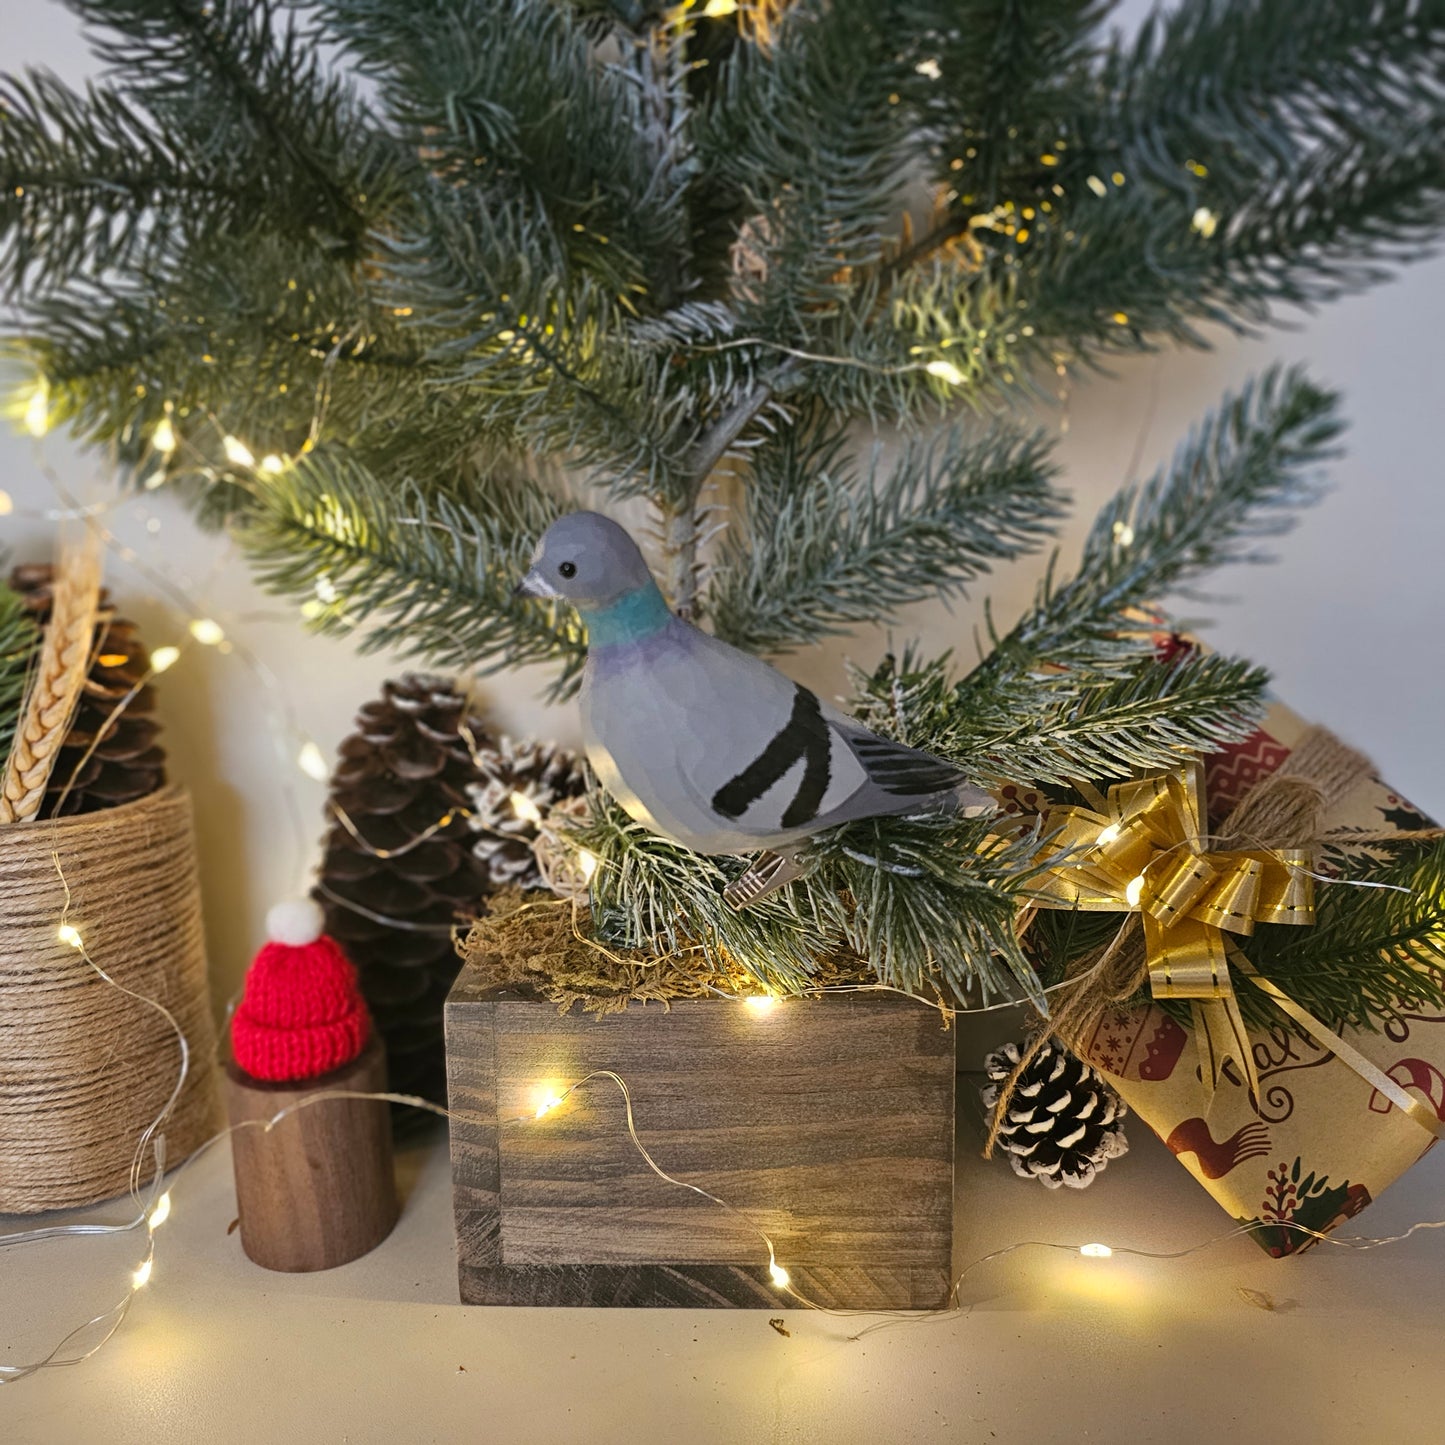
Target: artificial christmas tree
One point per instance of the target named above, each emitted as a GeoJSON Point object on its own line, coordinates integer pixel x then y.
{"type": "Point", "coordinates": [366, 311]}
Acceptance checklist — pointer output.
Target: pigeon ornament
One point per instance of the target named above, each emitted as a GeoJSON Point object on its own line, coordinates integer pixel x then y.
{"type": "Point", "coordinates": [708, 745]}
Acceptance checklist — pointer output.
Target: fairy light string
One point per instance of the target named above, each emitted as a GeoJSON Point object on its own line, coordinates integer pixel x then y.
{"type": "Point", "coordinates": [155, 1209]}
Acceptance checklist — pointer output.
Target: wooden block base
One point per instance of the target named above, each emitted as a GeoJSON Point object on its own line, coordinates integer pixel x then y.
{"type": "Point", "coordinates": [319, 1189]}
{"type": "Point", "coordinates": [828, 1122]}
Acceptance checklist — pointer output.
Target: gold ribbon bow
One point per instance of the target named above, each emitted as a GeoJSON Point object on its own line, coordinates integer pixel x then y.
{"type": "Point", "coordinates": [1143, 849]}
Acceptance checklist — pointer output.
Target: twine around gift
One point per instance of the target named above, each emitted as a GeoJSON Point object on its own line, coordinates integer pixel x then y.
{"type": "Point", "coordinates": [1142, 850]}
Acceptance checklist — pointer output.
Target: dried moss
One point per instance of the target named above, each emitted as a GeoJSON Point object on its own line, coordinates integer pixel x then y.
{"type": "Point", "coordinates": [536, 942]}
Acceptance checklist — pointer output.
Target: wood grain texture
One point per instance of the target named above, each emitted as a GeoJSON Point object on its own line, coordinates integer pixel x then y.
{"type": "Point", "coordinates": [319, 1189]}
{"type": "Point", "coordinates": [828, 1122]}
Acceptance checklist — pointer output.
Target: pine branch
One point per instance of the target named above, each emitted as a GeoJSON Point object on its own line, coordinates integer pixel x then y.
{"type": "Point", "coordinates": [1073, 690]}
{"type": "Point", "coordinates": [426, 574]}
{"type": "Point", "coordinates": [1370, 951]}
{"type": "Point", "coordinates": [263, 333]}
{"type": "Point", "coordinates": [930, 903]}
{"type": "Point", "coordinates": [86, 182]}
{"type": "Point", "coordinates": [994, 78]}
{"type": "Point", "coordinates": [827, 74]}
{"type": "Point", "coordinates": [1061, 724]}
{"type": "Point", "coordinates": [508, 99]}
{"type": "Point", "coordinates": [233, 84]}
{"type": "Point", "coordinates": [1245, 154]}
{"type": "Point", "coordinates": [1242, 91]}
{"type": "Point", "coordinates": [827, 548]}
{"type": "Point", "coordinates": [1240, 476]}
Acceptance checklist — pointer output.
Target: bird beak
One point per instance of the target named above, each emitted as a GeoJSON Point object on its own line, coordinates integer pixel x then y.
{"type": "Point", "coordinates": [534, 585]}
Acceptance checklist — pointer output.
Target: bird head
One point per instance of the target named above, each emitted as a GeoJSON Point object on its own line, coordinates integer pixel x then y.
{"type": "Point", "coordinates": [587, 559]}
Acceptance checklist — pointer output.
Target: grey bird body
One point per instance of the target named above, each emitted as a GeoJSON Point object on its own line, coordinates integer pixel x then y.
{"type": "Point", "coordinates": [706, 744]}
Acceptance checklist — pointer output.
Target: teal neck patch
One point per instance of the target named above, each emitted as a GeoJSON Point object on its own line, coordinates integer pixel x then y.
{"type": "Point", "coordinates": [630, 618]}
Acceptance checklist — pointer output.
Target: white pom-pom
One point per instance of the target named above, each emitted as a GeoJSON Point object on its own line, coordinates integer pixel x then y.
{"type": "Point", "coordinates": [296, 922]}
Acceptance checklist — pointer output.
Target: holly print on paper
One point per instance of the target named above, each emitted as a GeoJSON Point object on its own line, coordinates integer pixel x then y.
{"type": "Point", "coordinates": [1311, 1202]}
{"type": "Point", "coordinates": [1404, 816]}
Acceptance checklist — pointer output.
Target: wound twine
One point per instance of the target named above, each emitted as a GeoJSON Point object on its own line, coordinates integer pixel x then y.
{"type": "Point", "coordinates": [85, 1069]}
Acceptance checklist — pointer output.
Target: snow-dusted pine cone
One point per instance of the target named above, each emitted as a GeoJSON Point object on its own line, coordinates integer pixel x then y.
{"type": "Point", "coordinates": [1064, 1123]}
{"type": "Point", "coordinates": [519, 784]}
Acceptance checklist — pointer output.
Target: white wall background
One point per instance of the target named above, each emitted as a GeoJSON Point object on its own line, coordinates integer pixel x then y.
{"type": "Point", "coordinates": [1349, 619]}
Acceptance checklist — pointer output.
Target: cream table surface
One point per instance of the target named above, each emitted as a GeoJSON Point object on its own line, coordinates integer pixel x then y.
{"type": "Point", "coordinates": [1053, 1347]}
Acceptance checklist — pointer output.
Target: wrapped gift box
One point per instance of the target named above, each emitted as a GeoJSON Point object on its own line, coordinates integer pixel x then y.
{"type": "Point", "coordinates": [1321, 1142]}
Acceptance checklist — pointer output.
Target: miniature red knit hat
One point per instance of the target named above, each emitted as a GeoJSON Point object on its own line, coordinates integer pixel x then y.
{"type": "Point", "coordinates": [301, 1013]}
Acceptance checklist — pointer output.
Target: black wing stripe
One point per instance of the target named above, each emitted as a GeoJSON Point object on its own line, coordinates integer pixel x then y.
{"type": "Point", "coordinates": [805, 735]}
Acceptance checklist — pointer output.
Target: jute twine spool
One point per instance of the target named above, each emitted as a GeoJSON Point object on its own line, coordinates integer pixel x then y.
{"type": "Point", "coordinates": [85, 1068]}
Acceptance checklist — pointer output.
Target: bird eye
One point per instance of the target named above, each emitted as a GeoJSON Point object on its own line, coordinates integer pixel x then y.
{"type": "Point", "coordinates": [568, 569]}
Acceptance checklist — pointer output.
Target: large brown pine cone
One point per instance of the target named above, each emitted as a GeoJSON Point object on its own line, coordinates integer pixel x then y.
{"type": "Point", "coordinates": [126, 762]}
{"type": "Point", "coordinates": [393, 894]}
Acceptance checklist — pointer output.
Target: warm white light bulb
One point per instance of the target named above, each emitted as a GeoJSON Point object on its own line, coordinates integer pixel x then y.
{"type": "Point", "coordinates": [312, 762]}
{"type": "Point", "coordinates": [271, 464]}
{"type": "Point", "coordinates": [1095, 1251]}
{"type": "Point", "coordinates": [207, 632]}
{"type": "Point", "coordinates": [7, 503]}
{"type": "Point", "coordinates": [164, 657]}
{"type": "Point", "coordinates": [139, 1278]}
{"type": "Point", "coordinates": [162, 1211]}
{"type": "Point", "coordinates": [1135, 891]}
{"type": "Point", "coordinates": [717, 9]}
{"type": "Point", "coordinates": [238, 452]}
{"type": "Point", "coordinates": [547, 1104]}
{"type": "Point", "coordinates": [1107, 835]}
{"type": "Point", "coordinates": [163, 438]}
{"type": "Point", "coordinates": [1205, 222]}
{"type": "Point", "coordinates": [1123, 534]}
{"type": "Point", "coordinates": [37, 411]}
{"type": "Point", "coordinates": [587, 862]}
{"type": "Point", "coordinates": [946, 371]}
{"type": "Point", "coordinates": [780, 1276]}
{"type": "Point", "coordinates": [525, 808]}
{"type": "Point", "coordinates": [760, 1003]}
{"type": "Point", "coordinates": [68, 933]}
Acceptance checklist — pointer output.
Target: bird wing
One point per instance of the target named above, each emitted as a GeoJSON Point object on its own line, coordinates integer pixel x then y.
{"type": "Point", "coordinates": [720, 750]}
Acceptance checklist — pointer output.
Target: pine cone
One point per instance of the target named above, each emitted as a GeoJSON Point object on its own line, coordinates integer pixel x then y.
{"type": "Point", "coordinates": [393, 895]}
{"type": "Point", "coordinates": [126, 762]}
{"type": "Point", "coordinates": [1064, 1122]}
{"type": "Point", "coordinates": [542, 774]}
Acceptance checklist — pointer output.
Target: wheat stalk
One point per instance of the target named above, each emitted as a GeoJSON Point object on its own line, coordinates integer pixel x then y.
{"type": "Point", "coordinates": [65, 656]}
